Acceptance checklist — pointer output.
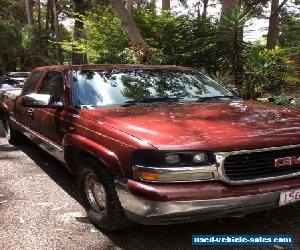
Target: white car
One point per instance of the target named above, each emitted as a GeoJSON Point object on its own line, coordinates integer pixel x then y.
{"type": "Point", "coordinates": [13, 80]}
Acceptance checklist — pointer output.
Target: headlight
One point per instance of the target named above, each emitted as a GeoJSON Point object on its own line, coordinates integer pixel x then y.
{"type": "Point", "coordinates": [175, 166]}
{"type": "Point", "coordinates": [172, 158]}
{"type": "Point", "coordinates": [200, 158]}
{"type": "Point", "coordinates": [158, 158]}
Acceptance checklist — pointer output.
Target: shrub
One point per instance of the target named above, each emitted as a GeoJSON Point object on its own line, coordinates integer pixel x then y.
{"type": "Point", "coordinates": [266, 71]}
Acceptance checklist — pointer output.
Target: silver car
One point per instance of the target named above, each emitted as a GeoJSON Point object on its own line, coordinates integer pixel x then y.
{"type": "Point", "coordinates": [13, 80]}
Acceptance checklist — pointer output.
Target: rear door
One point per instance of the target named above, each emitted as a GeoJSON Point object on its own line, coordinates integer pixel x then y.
{"type": "Point", "coordinates": [25, 115]}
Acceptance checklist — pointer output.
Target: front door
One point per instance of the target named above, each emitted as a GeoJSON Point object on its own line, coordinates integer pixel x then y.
{"type": "Point", "coordinates": [49, 119]}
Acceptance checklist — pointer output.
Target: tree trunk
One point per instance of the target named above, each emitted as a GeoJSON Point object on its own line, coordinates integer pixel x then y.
{"type": "Point", "coordinates": [47, 15]}
{"type": "Point", "coordinates": [51, 17]}
{"type": "Point", "coordinates": [274, 23]}
{"type": "Point", "coordinates": [228, 6]}
{"type": "Point", "coordinates": [205, 6]}
{"type": "Point", "coordinates": [48, 7]}
{"type": "Point", "coordinates": [38, 4]}
{"type": "Point", "coordinates": [129, 25]}
{"type": "Point", "coordinates": [57, 32]}
{"type": "Point", "coordinates": [129, 6]}
{"type": "Point", "coordinates": [153, 4]}
{"type": "Point", "coordinates": [29, 15]}
{"type": "Point", "coordinates": [166, 5]}
{"type": "Point", "coordinates": [78, 57]}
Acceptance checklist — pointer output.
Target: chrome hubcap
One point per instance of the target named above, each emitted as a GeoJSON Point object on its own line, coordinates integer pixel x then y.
{"type": "Point", "coordinates": [95, 192]}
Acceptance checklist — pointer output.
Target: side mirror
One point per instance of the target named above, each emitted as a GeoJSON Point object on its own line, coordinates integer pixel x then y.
{"type": "Point", "coordinates": [236, 92]}
{"type": "Point", "coordinates": [40, 101]}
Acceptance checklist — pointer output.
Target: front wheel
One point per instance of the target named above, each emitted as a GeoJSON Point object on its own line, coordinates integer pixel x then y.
{"type": "Point", "coordinates": [99, 197]}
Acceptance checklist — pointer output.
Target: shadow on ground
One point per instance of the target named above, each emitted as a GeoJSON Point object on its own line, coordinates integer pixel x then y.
{"type": "Point", "coordinates": [54, 169]}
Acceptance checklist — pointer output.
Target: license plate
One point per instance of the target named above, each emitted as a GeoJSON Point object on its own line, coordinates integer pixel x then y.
{"type": "Point", "coordinates": [287, 197]}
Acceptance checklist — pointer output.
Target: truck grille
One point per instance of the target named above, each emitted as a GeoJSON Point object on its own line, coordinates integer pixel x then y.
{"type": "Point", "coordinates": [259, 165]}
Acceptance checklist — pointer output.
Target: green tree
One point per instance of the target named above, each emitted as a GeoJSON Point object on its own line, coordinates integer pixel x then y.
{"type": "Point", "coordinates": [230, 45]}
{"type": "Point", "coordinates": [10, 45]}
{"type": "Point", "coordinates": [289, 36]}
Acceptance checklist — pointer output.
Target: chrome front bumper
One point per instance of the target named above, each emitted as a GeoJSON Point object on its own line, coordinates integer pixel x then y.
{"type": "Point", "coordinates": [150, 212]}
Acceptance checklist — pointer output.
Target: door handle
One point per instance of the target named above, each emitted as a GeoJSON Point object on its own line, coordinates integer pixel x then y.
{"type": "Point", "coordinates": [30, 111]}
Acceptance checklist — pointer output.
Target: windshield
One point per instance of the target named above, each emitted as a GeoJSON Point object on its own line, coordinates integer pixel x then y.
{"type": "Point", "coordinates": [116, 87]}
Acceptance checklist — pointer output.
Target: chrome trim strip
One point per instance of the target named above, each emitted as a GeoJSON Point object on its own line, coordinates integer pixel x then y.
{"type": "Point", "coordinates": [152, 212]}
{"type": "Point", "coordinates": [183, 171]}
{"type": "Point", "coordinates": [221, 156]}
{"type": "Point", "coordinates": [249, 151]}
{"type": "Point", "coordinates": [44, 143]}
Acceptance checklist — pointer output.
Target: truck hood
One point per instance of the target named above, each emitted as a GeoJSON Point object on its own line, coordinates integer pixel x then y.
{"type": "Point", "coordinates": [215, 126]}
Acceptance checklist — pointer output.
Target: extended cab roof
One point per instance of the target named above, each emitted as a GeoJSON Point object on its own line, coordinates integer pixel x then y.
{"type": "Point", "coordinates": [112, 66]}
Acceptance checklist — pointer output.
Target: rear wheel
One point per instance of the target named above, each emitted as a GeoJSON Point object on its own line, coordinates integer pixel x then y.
{"type": "Point", "coordinates": [13, 136]}
{"type": "Point", "coordinates": [99, 197]}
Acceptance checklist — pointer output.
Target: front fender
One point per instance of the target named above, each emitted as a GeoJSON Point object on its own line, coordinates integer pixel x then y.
{"type": "Point", "coordinates": [106, 156]}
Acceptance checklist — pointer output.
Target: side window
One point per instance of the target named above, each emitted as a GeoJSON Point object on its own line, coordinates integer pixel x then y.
{"type": "Point", "coordinates": [53, 85]}
{"type": "Point", "coordinates": [31, 83]}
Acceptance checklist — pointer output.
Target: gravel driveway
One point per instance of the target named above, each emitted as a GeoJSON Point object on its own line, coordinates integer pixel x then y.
{"type": "Point", "coordinates": [39, 210]}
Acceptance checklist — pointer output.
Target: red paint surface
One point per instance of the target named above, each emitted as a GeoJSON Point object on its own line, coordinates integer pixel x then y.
{"type": "Point", "coordinates": [206, 190]}
{"type": "Point", "coordinates": [214, 126]}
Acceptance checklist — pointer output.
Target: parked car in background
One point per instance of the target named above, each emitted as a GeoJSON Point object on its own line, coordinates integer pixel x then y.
{"type": "Point", "coordinates": [13, 80]}
{"type": "Point", "coordinates": [158, 144]}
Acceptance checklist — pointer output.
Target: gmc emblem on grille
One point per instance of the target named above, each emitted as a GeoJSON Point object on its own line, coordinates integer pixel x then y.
{"type": "Point", "coordinates": [287, 161]}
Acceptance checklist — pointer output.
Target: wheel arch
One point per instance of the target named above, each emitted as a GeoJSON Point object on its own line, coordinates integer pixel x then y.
{"type": "Point", "coordinates": [78, 148]}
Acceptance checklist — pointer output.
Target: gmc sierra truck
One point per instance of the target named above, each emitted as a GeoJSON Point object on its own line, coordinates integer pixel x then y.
{"type": "Point", "coordinates": [157, 144]}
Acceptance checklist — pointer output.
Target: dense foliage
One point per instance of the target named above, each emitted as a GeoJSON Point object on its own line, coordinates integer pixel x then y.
{"type": "Point", "coordinates": [10, 44]}
{"type": "Point", "coordinates": [214, 44]}
{"type": "Point", "coordinates": [267, 71]}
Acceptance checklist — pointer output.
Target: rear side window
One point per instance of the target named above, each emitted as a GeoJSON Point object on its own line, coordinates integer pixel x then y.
{"type": "Point", "coordinates": [53, 85]}
{"type": "Point", "coordinates": [31, 83]}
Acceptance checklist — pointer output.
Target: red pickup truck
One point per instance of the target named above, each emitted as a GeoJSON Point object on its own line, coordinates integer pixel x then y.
{"type": "Point", "coordinates": [158, 144]}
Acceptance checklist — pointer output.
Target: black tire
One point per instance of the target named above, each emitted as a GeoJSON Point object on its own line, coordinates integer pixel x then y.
{"type": "Point", "coordinates": [14, 137]}
{"type": "Point", "coordinates": [104, 213]}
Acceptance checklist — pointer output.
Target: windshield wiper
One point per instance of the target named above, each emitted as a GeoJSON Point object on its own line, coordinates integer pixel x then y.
{"type": "Point", "coordinates": [150, 100]}
{"type": "Point", "coordinates": [208, 98]}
